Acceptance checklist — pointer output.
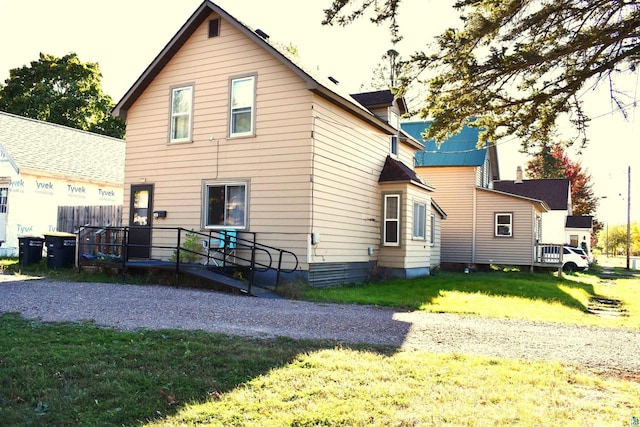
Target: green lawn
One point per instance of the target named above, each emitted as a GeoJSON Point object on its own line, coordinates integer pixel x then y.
{"type": "Point", "coordinates": [532, 296]}
{"type": "Point", "coordinates": [82, 375]}
{"type": "Point", "coordinates": [79, 374]}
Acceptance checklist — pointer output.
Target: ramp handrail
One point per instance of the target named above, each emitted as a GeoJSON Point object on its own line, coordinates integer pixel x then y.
{"type": "Point", "coordinates": [112, 244]}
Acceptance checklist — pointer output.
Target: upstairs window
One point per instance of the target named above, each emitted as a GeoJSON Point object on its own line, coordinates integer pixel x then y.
{"type": "Point", "coordinates": [393, 145]}
{"type": "Point", "coordinates": [391, 232]}
{"type": "Point", "coordinates": [181, 114]}
{"type": "Point", "coordinates": [242, 112]}
{"type": "Point", "coordinates": [504, 225]}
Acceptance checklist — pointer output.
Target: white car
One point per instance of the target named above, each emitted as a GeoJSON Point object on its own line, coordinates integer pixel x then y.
{"type": "Point", "coordinates": [574, 259]}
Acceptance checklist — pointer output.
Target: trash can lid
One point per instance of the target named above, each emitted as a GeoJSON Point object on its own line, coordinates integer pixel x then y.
{"type": "Point", "coordinates": [59, 234]}
{"type": "Point", "coordinates": [29, 236]}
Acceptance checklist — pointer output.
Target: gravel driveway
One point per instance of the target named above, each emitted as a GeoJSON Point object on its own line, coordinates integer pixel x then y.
{"type": "Point", "coordinates": [157, 307]}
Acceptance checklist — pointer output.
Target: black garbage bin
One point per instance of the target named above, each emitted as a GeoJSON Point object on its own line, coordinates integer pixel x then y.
{"type": "Point", "coordinates": [61, 249]}
{"type": "Point", "coordinates": [29, 250]}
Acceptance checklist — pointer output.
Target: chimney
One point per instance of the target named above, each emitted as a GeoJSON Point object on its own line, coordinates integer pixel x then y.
{"type": "Point", "coordinates": [518, 175]}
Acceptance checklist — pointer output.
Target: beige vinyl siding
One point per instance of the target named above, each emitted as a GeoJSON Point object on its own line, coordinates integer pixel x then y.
{"type": "Point", "coordinates": [454, 192]}
{"type": "Point", "coordinates": [276, 163]}
{"type": "Point", "coordinates": [411, 253]}
{"type": "Point", "coordinates": [348, 157]}
{"type": "Point", "coordinates": [516, 250]}
{"type": "Point", "coordinates": [418, 251]}
{"type": "Point", "coordinates": [436, 257]}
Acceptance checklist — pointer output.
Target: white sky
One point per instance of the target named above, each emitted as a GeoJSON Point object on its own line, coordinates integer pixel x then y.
{"type": "Point", "coordinates": [124, 36]}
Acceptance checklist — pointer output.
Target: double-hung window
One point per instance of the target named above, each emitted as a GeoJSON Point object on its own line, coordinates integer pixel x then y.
{"type": "Point", "coordinates": [391, 231]}
{"type": "Point", "coordinates": [504, 225]}
{"type": "Point", "coordinates": [242, 106]}
{"type": "Point", "coordinates": [181, 114]}
{"type": "Point", "coordinates": [419, 220]}
{"type": "Point", "coordinates": [225, 204]}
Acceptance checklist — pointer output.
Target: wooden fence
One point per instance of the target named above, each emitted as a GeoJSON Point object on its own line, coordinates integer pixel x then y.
{"type": "Point", "coordinates": [71, 218]}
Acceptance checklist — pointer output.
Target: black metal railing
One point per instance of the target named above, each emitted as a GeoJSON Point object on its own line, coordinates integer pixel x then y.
{"type": "Point", "coordinates": [113, 246]}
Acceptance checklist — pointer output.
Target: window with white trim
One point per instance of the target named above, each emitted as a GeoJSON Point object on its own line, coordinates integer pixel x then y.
{"type": "Point", "coordinates": [432, 233]}
{"type": "Point", "coordinates": [391, 221]}
{"type": "Point", "coordinates": [419, 220]}
{"type": "Point", "coordinates": [504, 225]}
{"type": "Point", "coordinates": [393, 145]}
{"type": "Point", "coordinates": [181, 114]}
{"type": "Point", "coordinates": [4, 198]}
{"type": "Point", "coordinates": [225, 204]}
{"type": "Point", "coordinates": [242, 106]}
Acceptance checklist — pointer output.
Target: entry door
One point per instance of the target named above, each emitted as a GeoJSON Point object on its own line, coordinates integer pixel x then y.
{"type": "Point", "coordinates": [140, 220]}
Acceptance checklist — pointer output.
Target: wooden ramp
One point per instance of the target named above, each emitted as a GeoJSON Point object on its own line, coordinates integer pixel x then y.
{"type": "Point", "coordinates": [202, 272]}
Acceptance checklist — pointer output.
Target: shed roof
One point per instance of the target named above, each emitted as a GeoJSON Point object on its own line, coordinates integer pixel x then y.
{"type": "Point", "coordinates": [554, 191]}
{"type": "Point", "coordinates": [33, 146]}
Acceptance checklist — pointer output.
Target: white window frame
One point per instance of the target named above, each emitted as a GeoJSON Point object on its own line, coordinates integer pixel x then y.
{"type": "Point", "coordinates": [432, 231]}
{"type": "Point", "coordinates": [393, 145]}
{"type": "Point", "coordinates": [501, 227]}
{"type": "Point", "coordinates": [419, 220]}
{"type": "Point", "coordinates": [176, 115]}
{"type": "Point", "coordinates": [391, 219]}
{"type": "Point", "coordinates": [237, 107]}
{"type": "Point", "coordinates": [241, 217]}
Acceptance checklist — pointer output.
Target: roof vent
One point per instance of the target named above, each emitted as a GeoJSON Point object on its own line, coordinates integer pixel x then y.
{"type": "Point", "coordinates": [262, 34]}
{"type": "Point", "coordinates": [334, 80]}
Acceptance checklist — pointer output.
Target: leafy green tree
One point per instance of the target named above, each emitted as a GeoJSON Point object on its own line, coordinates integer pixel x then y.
{"type": "Point", "coordinates": [63, 90]}
{"type": "Point", "coordinates": [515, 66]}
{"type": "Point", "coordinates": [552, 162]}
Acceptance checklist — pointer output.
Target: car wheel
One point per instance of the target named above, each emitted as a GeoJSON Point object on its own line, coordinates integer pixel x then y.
{"type": "Point", "coordinates": [570, 267]}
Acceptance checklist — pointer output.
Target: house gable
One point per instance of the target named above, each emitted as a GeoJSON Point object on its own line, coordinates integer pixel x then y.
{"type": "Point", "coordinates": [324, 87]}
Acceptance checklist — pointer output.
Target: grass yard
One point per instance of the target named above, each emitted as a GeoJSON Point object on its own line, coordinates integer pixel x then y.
{"type": "Point", "coordinates": [82, 375]}
{"type": "Point", "coordinates": [532, 296]}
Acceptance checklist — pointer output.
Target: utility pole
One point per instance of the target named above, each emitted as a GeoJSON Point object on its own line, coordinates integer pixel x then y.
{"type": "Point", "coordinates": [628, 213]}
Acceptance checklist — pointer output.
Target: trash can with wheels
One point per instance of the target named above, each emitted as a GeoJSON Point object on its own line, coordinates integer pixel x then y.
{"type": "Point", "coordinates": [61, 250]}
{"type": "Point", "coordinates": [29, 250]}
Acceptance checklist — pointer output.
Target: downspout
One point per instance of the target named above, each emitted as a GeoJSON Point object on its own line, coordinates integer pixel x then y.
{"type": "Point", "coordinates": [312, 182]}
{"type": "Point", "coordinates": [474, 220]}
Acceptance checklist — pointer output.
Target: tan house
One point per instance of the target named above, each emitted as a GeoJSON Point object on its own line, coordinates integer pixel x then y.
{"type": "Point", "coordinates": [227, 131]}
{"type": "Point", "coordinates": [484, 226]}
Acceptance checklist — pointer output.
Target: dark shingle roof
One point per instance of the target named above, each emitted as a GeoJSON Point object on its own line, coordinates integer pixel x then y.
{"type": "Point", "coordinates": [396, 171]}
{"type": "Point", "coordinates": [584, 221]}
{"type": "Point", "coordinates": [554, 191]}
{"type": "Point", "coordinates": [49, 148]}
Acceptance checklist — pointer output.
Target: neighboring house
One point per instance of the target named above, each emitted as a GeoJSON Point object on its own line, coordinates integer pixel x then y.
{"type": "Point", "coordinates": [555, 191]}
{"type": "Point", "coordinates": [43, 166]}
{"type": "Point", "coordinates": [225, 130]}
{"type": "Point", "coordinates": [560, 225]}
{"type": "Point", "coordinates": [578, 232]}
{"type": "Point", "coordinates": [484, 225]}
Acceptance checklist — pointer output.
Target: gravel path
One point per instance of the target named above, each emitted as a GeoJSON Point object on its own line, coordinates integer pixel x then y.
{"type": "Point", "coordinates": [130, 307]}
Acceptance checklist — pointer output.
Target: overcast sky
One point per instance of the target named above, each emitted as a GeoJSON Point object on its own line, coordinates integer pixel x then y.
{"type": "Point", "coordinates": [124, 36]}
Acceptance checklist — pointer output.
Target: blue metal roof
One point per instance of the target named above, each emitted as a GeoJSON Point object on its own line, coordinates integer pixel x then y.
{"type": "Point", "coordinates": [458, 150]}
